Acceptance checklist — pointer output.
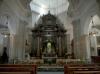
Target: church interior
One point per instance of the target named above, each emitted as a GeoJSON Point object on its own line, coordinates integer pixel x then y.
{"type": "Point", "coordinates": [49, 36]}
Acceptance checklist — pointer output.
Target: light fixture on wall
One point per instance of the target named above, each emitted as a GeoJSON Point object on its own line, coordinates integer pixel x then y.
{"type": "Point", "coordinates": [5, 36]}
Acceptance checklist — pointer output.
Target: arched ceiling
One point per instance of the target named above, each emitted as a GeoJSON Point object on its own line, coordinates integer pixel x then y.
{"type": "Point", "coordinates": [56, 7]}
{"type": "Point", "coordinates": [43, 6]}
{"type": "Point", "coordinates": [77, 9]}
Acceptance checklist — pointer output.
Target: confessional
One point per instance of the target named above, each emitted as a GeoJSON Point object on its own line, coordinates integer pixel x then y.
{"type": "Point", "coordinates": [49, 38]}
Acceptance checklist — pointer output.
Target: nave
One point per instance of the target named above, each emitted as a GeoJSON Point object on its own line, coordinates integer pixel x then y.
{"type": "Point", "coordinates": [49, 36]}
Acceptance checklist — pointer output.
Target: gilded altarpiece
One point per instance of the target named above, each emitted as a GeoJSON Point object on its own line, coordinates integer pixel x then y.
{"type": "Point", "coordinates": [49, 38]}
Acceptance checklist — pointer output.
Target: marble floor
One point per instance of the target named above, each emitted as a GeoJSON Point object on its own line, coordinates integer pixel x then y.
{"type": "Point", "coordinates": [50, 70]}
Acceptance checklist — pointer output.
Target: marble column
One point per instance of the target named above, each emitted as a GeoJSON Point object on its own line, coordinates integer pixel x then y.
{"type": "Point", "coordinates": [33, 45]}
{"type": "Point", "coordinates": [68, 44]}
{"type": "Point", "coordinates": [6, 42]}
{"type": "Point", "coordinates": [38, 46]}
{"type": "Point", "coordinates": [17, 42]}
{"type": "Point", "coordinates": [85, 47]}
{"type": "Point", "coordinates": [63, 45]}
{"type": "Point", "coordinates": [12, 49]}
{"type": "Point", "coordinates": [21, 40]}
{"type": "Point", "coordinates": [81, 42]}
{"type": "Point", "coordinates": [93, 45]}
{"type": "Point", "coordinates": [57, 46]}
{"type": "Point", "coordinates": [60, 53]}
{"type": "Point", "coordinates": [76, 35]}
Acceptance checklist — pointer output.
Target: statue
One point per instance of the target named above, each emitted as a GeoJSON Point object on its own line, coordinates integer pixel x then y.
{"type": "Point", "coordinates": [48, 47]}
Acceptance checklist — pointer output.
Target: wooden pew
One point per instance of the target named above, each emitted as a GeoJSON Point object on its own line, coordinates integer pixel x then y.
{"type": "Point", "coordinates": [81, 69]}
{"type": "Point", "coordinates": [31, 69]}
{"type": "Point", "coordinates": [95, 59]}
{"type": "Point", "coordinates": [86, 72]}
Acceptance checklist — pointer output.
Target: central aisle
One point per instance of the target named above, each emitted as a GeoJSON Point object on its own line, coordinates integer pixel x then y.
{"type": "Point", "coordinates": [50, 70]}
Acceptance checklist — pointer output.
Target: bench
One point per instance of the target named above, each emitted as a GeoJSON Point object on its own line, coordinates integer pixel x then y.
{"type": "Point", "coordinates": [86, 72]}
{"type": "Point", "coordinates": [81, 69]}
{"type": "Point", "coordinates": [95, 59]}
{"type": "Point", "coordinates": [18, 69]}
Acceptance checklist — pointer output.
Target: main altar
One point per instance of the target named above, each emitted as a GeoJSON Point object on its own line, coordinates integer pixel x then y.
{"type": "Point", "coordinates": [49, 39]}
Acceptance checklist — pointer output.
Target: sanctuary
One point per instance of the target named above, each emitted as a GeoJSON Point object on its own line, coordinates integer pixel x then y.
{"type": "Point", "coordinates": [49, 38]}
